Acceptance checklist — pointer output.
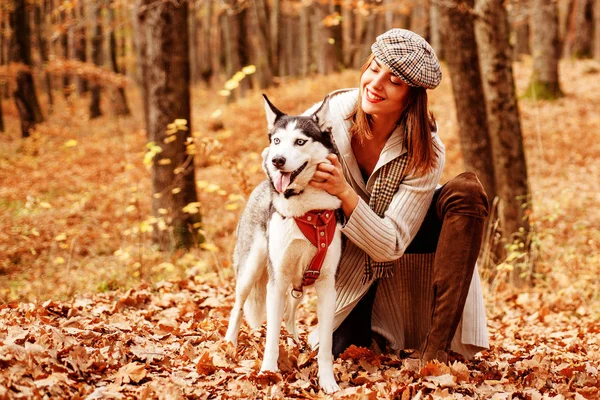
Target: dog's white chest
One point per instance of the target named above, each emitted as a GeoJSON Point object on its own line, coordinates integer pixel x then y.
{"type": "Point", "coordinates": [289, 247]}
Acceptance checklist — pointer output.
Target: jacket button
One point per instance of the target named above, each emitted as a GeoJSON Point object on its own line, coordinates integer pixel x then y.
{"type": "Point", "coordinates": [322, 244]}
{"type": "Point", "coordinates": [322, 233]}
{"type": "Point", "coordinates": [309, 218]}
{"type": "Point", "coordinates": [326, 215]}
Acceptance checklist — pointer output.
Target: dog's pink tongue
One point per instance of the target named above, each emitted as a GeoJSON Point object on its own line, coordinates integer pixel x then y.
{"type": "Point", "coordinates": [282, 181]}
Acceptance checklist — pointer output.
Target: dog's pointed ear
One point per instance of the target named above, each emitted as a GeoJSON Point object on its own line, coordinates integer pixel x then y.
{"type": "Point", "coordinates": [320, 116]}
{"type": "Point", "coordinates": [272, 113]}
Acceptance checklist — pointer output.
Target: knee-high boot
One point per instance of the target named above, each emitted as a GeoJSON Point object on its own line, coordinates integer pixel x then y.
{"type": "Point", "coordinates": [462, 207]}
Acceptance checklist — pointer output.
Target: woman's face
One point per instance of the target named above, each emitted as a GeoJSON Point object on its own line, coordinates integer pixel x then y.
{"type": "Point", "coordinates": [384, 95]}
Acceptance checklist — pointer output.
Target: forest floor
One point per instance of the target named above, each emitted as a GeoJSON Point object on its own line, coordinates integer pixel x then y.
{"type": "Point", "coordinates": [90, 309]}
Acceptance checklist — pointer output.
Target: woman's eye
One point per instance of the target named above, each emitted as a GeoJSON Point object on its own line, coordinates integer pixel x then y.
{"type": "Point", "coordinates": [276, 140]}
{"type": "Point", "coordinates": [397, 83]}
{"type": "Point", "coordinates": [300, 142]}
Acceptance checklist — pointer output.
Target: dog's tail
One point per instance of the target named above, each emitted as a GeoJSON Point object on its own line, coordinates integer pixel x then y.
{"type": "Point", "coordinates": [256, 303]}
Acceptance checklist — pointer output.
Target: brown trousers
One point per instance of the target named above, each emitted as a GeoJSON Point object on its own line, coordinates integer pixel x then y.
{"type": "Point", "coordinates": [452, 229]}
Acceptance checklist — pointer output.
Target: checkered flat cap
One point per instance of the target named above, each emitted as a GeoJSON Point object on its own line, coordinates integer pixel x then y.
{"type": "Point", "coordinates": [409, 57]}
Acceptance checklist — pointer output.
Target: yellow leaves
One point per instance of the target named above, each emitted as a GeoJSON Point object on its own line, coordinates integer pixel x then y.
{"type": "Point", "coordinates": [60, 237]}
{"type": "Point", "coordinates": [191, 208]}
{"type": "Point", "coordinates": [231, 84]}
{"type": "Point", "coordinates": [176, 190]}
{"type": "Point", "coordinates": [331, 41]}
{"type": "Point", "coordinates": [153, 150]}
{"type": "Point", "coordinates": [70, 143]}
{"type": "Point", "coordinates": [249, 69]}
{"type": "Point", "coordinates": [58, 261]}
{"type": "Point", "coordinates": [45, 205]}
{"type": "Point", "coordinates": [176, 126]}
{"type": "Point", "coordinates": [164, 161]}
{"type": "Point", "coordinates": [234, 81]}
{"type": "Point", "coordinates": [332, 20]}
{"type": "Point", "coordinates": [231, 206]}
{"type": "Point", "coordinates": [209, 247]}
{"type": "Point", "coordinates": [146, 227]}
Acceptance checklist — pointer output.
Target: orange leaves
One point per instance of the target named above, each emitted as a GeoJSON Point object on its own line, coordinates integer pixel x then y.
{"type": "Point", "coordinates": [360, 353]}
{"type": "Point", "coordinates": [167, 341]}
{"type": "Point", "coordinates": [132, 372]}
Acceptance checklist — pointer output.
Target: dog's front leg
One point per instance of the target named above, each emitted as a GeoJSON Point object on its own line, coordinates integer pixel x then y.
{"type": "Point", "coordinates": [275, 301]}
{"type": "Point", "coordinates": [325, 288]}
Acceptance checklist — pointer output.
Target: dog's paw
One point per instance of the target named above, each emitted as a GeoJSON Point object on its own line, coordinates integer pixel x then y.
{"type": "Point", "coordinates": [329, 385]}
{"type": "Point", "coordinates": [231, 339]}
{"type": "Point", "coordinates": [269, 367]}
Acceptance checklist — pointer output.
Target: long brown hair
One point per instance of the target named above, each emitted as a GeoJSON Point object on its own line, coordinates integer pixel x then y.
{"type": "Point", "coordinates": [419, 123]}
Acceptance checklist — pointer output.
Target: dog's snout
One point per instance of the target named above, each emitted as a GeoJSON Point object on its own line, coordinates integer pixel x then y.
{"type": "Point", "coordinates": [278, 161]}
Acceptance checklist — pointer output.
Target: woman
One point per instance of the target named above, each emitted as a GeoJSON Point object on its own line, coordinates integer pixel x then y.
{"type": "Point", "coordinates": [407, 277]}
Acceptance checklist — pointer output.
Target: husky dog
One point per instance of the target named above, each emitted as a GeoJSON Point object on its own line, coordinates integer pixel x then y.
{"type": "Point", "coordinates": [273, 258]}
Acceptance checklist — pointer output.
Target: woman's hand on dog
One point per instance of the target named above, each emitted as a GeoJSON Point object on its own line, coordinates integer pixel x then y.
{"type": "Point", "coordinates": [330, 177]}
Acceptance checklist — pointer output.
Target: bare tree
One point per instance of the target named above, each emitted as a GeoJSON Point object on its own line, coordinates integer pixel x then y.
{"type": "Point", "coordinates": [24, 94]}
{"type": "Point", "coordinates": [80, 46]}
{"type": "Point", "coordinates": [578, 38]}
{"type": "Point", "coordinates": [97, 58]}
{"type": "Point", "coordinates": [512, 182]}
{"type": "Point", "coordinates": [165, 61]}
{"type": "Point", "coordinates": [119, 98]}
{"type": "Point", "coordinates": [463, 63]}
{"type": "Point", "coordinates": [42, 43]}
{"type": "Point", "coordinates": [262, 58]}
{"type": "Point", "coordinates": [544, 82]}
{"type": "Point", "coordinates": [597, 30]}
{"type": "Point", "coordinates": [520, 17]}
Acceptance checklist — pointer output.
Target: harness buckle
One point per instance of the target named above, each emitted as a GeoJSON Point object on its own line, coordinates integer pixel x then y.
{"type": "Point", "coordinates": [297, 293]}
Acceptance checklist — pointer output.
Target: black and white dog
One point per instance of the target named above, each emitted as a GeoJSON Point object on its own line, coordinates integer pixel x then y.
{"type": "Point", "coordinates": [288, 237]}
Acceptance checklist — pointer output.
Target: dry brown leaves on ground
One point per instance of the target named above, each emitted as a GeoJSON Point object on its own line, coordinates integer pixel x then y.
{"type": "Point", "coordinates": [167, 342]}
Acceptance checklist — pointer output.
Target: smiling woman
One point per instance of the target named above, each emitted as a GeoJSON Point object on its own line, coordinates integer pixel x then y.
{"type": "Point", "coordinates": [407, 276]}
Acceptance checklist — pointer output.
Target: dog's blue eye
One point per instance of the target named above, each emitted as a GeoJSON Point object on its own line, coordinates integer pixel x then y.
{"type": "Point", "coordinates": [300, 142]}
{"type": "Point", "coordinates": [276, 140]}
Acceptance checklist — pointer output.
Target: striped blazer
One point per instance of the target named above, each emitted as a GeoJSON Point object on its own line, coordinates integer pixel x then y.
{"type": "Point", "coordinates": [402, 308]}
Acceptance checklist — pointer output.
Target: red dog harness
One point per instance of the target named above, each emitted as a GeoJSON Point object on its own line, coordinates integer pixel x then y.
{"type": "Point", "coordinates": [318, 226]}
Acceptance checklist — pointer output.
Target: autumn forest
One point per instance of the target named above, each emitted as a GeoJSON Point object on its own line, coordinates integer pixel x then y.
{"type": "Point", "coordinates": [131, 134]}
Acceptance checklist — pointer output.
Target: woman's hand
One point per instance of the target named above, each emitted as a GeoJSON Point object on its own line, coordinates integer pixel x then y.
{"type": "Point", "coordinates": [330, 177]}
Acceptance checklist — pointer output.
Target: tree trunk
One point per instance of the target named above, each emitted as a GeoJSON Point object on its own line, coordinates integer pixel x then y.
{"type": "Point", "coordinates": [205, 59]}
{"type": "Point", "coordinates": [504, 123]}
{"type": "Point", "coordinates": [80, 48]}
{"type": "Point", "coordinates": [64, 43]}
{"type": "Point", "coordinates": [304, 41]}
{"type": "Point", "coordinates": [584, 22]}
{"type": "Point", "coordinates": [24, 95]}
{"type": "Point", "coordinates": [435, 30]}
{"type": "Point", "coordinates": [97, 58]}
{"type": "Point", "coordinates": [520, 17]}
{"type": "Point", "coordinates": [337, 51]}
{"type": "Point", "coordinates": [140, 44]}
{"type": "Point", "coordinates": [43, 48]}
{"type": "Point", "coordinates": [119, 98]}
{"type": "Point", "coordinates": [274, 34]}
{"type": "Point", "coordinates": [262, 57]}
{"type": "Point", "coordinates": [578, 39]}
{"type": "Point", "coordinates": [597, 30]}
{"type": "Point", "coordinates": [232, 22]}
{"type": "Point", "coordinates": [3, 61]}
{"type": "Point", "coordinates": [349, 43]}
{"type": "Point", "coordinates": [419, 21]}
{"type": "Point", "coordinates": [544, 83]}
{"type": "Point", "coordinates": [167, 68]}
{"type": "Point", "coordinates": [463, 63]}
